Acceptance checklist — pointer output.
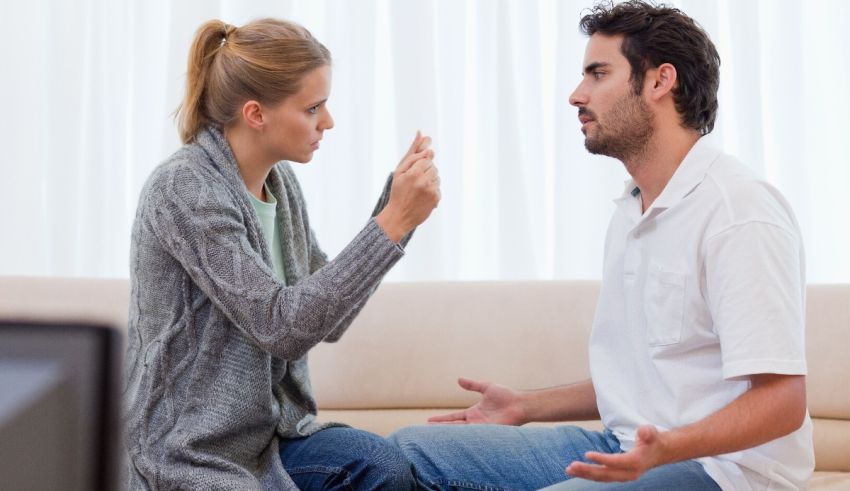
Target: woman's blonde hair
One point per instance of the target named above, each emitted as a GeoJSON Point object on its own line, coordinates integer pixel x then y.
{"type": "Point", "coordinates": [264, 60]}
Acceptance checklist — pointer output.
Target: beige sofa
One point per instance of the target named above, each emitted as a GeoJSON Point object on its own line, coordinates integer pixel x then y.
{"type": "Point", "coordinates": [399, 362]}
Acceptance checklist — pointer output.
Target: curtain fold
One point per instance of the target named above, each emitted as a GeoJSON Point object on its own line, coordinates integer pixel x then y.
{"type": "Point", "coordinates": [90, 88]}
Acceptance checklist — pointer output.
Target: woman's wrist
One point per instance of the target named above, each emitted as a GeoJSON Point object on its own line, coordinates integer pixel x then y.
{"type": "Point", "coordinates": [391, 225]}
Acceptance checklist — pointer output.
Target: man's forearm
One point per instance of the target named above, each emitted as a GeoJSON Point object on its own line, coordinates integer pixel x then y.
{"type": "Point", "coordinates": [773, 407]}
{"type": "Point", "coordinates": [574, 402]}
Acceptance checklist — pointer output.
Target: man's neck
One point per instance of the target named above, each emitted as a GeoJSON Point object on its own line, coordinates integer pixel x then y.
{"type": "Point", "coordinates": [254, 167]}
{"type": "Point", "coordinates": [654, 167]}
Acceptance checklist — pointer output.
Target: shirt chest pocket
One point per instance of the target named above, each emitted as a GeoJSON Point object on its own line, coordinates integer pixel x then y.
{"type": "Point", "coordinates": [664, 305]}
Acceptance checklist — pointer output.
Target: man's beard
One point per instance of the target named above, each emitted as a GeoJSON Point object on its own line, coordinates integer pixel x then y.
{"type": "Point", "coordinates": [629, 127]}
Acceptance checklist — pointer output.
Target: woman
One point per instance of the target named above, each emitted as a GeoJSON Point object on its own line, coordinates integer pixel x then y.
{"type": "Point", "coordinates": [229, 289]}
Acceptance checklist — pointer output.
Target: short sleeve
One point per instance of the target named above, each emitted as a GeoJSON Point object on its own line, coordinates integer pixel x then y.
{"type": "Point", "coordinates": [756, 293]}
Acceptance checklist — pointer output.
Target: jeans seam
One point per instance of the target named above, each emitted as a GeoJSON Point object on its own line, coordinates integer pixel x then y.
{"type": "Point", "coordinates": [315, 468]}
{"type": "Point", "coordinates": [323, 469]}
{"type": "Point", "coordinates": [467, 485]}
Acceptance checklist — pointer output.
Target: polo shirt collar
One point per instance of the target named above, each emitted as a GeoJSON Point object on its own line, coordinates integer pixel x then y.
{"type": "Point", "coordinates": [687, 177]}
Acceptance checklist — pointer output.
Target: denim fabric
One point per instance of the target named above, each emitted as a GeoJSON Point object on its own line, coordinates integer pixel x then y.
{"type": "Point", "coordinates": [681, 476]}
{"type": "Point", "coordinates": [499, 458]}
{"type": "Point", "coordinates": [345, 459]}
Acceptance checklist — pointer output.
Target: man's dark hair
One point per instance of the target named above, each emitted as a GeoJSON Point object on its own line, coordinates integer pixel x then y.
{"type": "Point", "coordinates": [654, 35]}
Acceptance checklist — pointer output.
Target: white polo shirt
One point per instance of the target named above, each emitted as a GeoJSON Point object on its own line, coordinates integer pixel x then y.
{"type": "Point", "coordinates": [705, 288]}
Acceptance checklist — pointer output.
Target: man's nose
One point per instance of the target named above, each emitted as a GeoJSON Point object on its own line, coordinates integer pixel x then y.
{"type": "Point", "coordinates": [578, 97]}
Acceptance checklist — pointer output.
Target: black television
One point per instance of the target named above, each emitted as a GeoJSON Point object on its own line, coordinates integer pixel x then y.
{"type": "Point", "coordinates": [59, 405]}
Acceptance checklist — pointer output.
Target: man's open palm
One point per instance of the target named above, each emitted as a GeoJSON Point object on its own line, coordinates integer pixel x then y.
{"type": "Point", "coordinates": [498, 405]}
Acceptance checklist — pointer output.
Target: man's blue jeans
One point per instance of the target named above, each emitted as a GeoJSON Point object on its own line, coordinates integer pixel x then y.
{"type": "Point", "coordinates": [496, 457]}
{"type": "Point", "coordinates": [345, 459]}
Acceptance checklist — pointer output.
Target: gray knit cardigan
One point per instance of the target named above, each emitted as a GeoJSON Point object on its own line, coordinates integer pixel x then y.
{"type": "Point", "coordinates": [216, 367]}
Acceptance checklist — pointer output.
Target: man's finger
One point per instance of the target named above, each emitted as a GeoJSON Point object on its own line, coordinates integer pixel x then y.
{"type": "Point", "coordinates": [617, 460]}
{"type": "Point", "coordinates": [598, 473]}
{"type": "Point", "coordinates": [647, 434]}
{"type": "Point", "coordinates": [472, 384]}
{"type": "Point", "coordinates": [446, 418]}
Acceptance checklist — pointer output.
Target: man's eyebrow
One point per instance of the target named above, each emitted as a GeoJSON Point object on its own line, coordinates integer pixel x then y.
{"type": "Point", "coordinates": [593, 66]}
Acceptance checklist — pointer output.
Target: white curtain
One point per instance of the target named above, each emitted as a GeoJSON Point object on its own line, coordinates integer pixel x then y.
{"type": "Point", "coordinates": [89, 89]}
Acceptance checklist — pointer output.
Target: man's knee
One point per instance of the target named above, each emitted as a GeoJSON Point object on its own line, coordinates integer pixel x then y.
{"type": "Point", "coordinates": [400, 437]}
{"type": "Point", "coordinates": [411, 440]}
{"type": "Point", "coordinates": [383, 464]}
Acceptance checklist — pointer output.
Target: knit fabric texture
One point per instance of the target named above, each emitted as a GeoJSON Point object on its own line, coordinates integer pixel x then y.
{"type": "Point", "coordinates": [216, 365]}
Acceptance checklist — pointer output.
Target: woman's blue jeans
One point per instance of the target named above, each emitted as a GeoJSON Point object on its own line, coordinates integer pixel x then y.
{"type": "Point", "coordinates": [496, 457]}
{"type": "Point", "coordinates": [345, 459]}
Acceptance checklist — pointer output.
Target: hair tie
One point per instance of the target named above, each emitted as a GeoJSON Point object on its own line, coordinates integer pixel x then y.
{"type": "Point", "coordinates": [224, 36]}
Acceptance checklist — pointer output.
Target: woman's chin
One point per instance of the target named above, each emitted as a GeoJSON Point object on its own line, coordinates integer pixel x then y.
{"type": "Point", "coordinates": [300, 159]}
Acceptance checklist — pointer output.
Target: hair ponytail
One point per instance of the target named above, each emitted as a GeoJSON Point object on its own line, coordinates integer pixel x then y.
{"type": "Point", "coordinates": [263, 61]}
{"type": "Point", "coordinates": [208, 39]}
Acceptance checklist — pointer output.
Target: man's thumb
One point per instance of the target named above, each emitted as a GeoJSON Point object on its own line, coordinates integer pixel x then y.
{"type": "Point", "coordinates": [647, 433]}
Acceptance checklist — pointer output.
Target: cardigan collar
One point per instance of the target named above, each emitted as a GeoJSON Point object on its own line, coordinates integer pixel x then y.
{"type": "Point", "coordinates": [295, 252]}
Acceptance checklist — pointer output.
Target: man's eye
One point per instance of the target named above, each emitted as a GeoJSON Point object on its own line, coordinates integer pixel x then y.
{"type": "Point", "coordinates": [598, 75]}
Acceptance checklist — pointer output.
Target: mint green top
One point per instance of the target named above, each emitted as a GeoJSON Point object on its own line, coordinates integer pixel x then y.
{"type": "Point", "coordinates": [267, 212]}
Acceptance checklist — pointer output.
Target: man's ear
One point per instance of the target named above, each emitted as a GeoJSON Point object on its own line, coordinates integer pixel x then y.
{"type": "Point", "coordinates": [662, 80]}
{"type": "Point", "coordinates": [252, 113]}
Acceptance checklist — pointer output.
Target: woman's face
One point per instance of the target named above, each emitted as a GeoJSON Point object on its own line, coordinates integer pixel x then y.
{"type": "Point", "coordinates": [296, 125]}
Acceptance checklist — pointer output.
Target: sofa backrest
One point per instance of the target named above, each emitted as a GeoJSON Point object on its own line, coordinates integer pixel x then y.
{"type": "Point", "coordinates": [412, 341]}
{"type": "Point", "coordinates": [103, 301]}
{"type": "Point", "coordinates": [828, 381]}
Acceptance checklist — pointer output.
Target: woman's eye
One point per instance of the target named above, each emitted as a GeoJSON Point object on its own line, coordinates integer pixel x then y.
{"type": "Point", "coordinates": [314, 109]}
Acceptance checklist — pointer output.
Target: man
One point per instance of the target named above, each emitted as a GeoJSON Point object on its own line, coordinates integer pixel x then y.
{"type": "Point", "coordinates": [696, 354]}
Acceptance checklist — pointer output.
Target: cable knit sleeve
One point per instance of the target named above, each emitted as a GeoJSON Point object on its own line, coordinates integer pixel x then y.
{"type": "Point", "coordinates": [343, 325]}
{"type": "Point", "coordinates": [199, 222]}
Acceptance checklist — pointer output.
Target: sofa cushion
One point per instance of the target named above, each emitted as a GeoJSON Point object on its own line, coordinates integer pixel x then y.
{"type": "Point", "coordinates": [827, 342]}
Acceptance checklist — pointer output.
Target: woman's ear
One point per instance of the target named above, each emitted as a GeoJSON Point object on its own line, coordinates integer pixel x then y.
{"type": "Point", "coordinates": [252, 113]}
{"type": "Point", "coordinates": [663, 80]}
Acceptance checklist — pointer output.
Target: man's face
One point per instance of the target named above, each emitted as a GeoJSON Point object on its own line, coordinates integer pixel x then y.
{"type": "Point", "coordinates": [615, 121]}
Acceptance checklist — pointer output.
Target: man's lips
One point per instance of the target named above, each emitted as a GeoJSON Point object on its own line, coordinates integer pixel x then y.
{"type": "Point", "coordinates": [585, 122]}
{"type": "Point", "coordinates": [585, 117]}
